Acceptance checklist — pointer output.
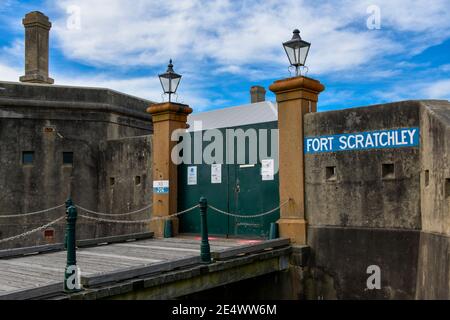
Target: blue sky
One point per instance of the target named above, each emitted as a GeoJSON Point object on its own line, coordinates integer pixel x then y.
{"type": "Point", "coordinates": [222, 47]}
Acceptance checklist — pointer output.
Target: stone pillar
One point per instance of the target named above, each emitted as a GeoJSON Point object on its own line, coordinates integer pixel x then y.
{"type": "Point", "coordinates": [37, 27]}
{"type": "Point", "coordinates": [296, 97]}
{"type": "Point", "coordinates": [166, 117]}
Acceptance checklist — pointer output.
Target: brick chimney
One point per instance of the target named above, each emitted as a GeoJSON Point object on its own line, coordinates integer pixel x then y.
{"type": "Point", "coordinates": [37, 27]}
{"type": "Point", "coordinates": [257, 94]}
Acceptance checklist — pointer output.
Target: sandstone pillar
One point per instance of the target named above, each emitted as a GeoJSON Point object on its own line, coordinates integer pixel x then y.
{"type": "Point", "coordinates": [296, 97]}
{"type": "Point", "coordinates": [166, 117]}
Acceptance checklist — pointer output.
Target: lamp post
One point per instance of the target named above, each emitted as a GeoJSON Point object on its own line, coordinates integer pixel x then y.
{"type": "Point", "coordinates": [170, 80]}
{"type": "Point", "coordinates": [297, 51]}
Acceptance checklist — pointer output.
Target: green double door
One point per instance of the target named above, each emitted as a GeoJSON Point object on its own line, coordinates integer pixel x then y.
{"type": "Point", "coordinates": [241, 191]}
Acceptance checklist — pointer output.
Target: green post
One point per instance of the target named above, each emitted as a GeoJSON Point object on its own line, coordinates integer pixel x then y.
{"type": "Point", "coordinates": [205, 252]}
{"type": "Point", "coordinates": [71, 283]}
{"type": "Point", "coordinates": [168, 228]}
{"type": "Point", "coordinates": [69, 203]}
{"type": "Point", "coordinates": [273, 233]}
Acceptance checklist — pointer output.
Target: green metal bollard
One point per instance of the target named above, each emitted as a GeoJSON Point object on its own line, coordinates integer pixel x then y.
{"type": "Point", "coordinates": [168, 229]}
{"type": "Point", "coordinates": [71, 283]}
{"type": "Point", "coordinates": [205, 252]}
{"type": "Point", "coordinates": [273, 233]}
{"type": "Point", "coordinates": [69, 203]}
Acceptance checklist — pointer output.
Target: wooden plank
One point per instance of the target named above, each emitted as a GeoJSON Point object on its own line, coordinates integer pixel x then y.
{"type": "Point", "coordinates": [249, 248]}
{"type": "Point", "coordinates": [134, 272]}
{"type": "Point", "coordinates": [16, 252]}
{"type": "Point", "coordinates": [114, 239]}
{"type": "Point", "coordinates": [130, 245]}
{"type": "Point", "coordinates": [32, 293]}
{"type": "Point", "coordinates": [115, 256]}
{"type": "Point", "coordinates": [9, 253]}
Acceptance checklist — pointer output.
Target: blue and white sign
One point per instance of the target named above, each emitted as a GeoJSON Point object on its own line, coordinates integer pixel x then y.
{"type": "Point", "coordinates": [161, 186]}
{"type": "Point", "coordinates": [397, 138]}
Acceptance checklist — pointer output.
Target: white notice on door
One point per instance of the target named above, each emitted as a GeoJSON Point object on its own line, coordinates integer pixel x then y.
{"type": "Point", "coordinates": [216, 173]}
{"type": "Point", "coordinates": [267, 169]}
{"type": "Point", "coordinates": [192, 175]}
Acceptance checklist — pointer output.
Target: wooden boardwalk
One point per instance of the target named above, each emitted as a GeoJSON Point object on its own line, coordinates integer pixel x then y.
{"type": "Point", "coordinates": [46, 270]}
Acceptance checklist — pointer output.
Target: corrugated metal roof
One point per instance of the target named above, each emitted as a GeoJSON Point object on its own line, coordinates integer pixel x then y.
{"type": "Point", "coordinates": [259, 112]}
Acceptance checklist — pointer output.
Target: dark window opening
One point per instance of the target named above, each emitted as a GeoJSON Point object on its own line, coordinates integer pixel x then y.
{"type": "Point", "coordinates": [137, 180]}
{"type": "Point", "coordinates": [28, 157]}
{"type": "Point", "coordinates": [330, 173]}
{"type": "Point", "coordinates": [68, 158]}
{"type": "Point", "coordinates": [427, 178]}
{"type": "Point", "coordinates": [388, 171]}
{"type": "Point", "coordinates": [112, 181]}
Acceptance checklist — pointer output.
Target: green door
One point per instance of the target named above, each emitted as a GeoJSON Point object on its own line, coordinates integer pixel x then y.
{"type": "Point", "coordinates": [250, 196]}
{"type": "Point", "coordinates": [241, 191]}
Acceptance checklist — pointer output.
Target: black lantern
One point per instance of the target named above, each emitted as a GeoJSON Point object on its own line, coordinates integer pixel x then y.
{"type": "Point", "coordinates": [170, 80]}
{"type": "Point", "coordinates": [296, 50]}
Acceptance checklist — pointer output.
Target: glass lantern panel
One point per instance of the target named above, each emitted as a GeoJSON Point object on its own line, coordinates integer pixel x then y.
{"type": "Point", "coordinates": [292, 55]}
{"type": "Point", "coordinates": [175, 83]}
{"type": "Point", "coordinates": [165, 83]}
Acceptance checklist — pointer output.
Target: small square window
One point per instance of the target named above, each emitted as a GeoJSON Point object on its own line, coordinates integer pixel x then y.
{"type": "Point", "coordinates": [388, 171]}
{"type": "Point", "coordinates": [68, 158]}
{"type": "Point", "coordinates": [427, 178]}
{"type": "Point", "coordinates": [330, 173]}
{"type": "Point", "coordinates": [137, 180]}
{"type": "Point", "coordinates": [28, 157]}
{"type": "Point", "coordinates": [112, 181]}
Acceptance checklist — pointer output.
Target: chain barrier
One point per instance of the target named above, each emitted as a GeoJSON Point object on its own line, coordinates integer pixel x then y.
{"type": "Point", "coordinates": [139, 221]}
{"type": "Point", "coordinates": [45, 226]}
{"type": "Point", "coordinates": [249, 216]}
{"type": "Point", "coordinates": [113, 214]}
{"type": "Point", "coordinates": [32, 213]}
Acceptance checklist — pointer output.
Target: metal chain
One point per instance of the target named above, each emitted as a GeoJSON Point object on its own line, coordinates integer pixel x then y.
{"type": "Point", "coordinates": [113, 214]}
{"type": "Point", "coordinates": [249, 216]}
{"type": "Point", "coordinates": [31, 213]}
{"type": "Point", "coordinates": [139, 221]}
{"type": "Point", "coordinates": [32, 231]}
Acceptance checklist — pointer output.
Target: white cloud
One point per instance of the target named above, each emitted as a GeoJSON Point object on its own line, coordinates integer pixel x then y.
{"type": "Point", "coordinates": [231, 33]}
{"type": "Point", "coordinates": [9, 73]}
{"type": "Point", "coordinates": [438, 89]}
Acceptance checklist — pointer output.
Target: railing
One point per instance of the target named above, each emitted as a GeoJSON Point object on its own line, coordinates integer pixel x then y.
{"type": "Point", "coordinates": [71, 282]}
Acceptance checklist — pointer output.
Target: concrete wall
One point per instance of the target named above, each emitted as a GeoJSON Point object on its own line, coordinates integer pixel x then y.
{"type": "Point", "coordinates": [360, 218]}
{"type": "Point", "coordinates": [434, 254]}
{"type": "Point", "coordinates": [125, 182]}
{"type": "Point", "coordinates": [50, 120]}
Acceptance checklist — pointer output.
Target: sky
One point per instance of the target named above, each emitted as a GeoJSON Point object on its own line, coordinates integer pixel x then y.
{"type": "Point", "coordinates": [364, 52]}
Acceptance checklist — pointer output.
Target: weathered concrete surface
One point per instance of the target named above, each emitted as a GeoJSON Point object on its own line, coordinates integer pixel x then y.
{"type": "Point", "coordinates": [128, 161]}
{"type": "Point", "coordinates": [341, 255]}
{"type": "Point", "coordinates": [360, 197]}
{"type": "Point", "coordinates": [359, 218]}
{"type": "Point", "coordinates": [433, 279]}
{"type": "Point", "coordinates": [50, 120]}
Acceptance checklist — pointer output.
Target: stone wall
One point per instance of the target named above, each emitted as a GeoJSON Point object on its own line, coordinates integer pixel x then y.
{"type": "Point", "coordinates": [125, 182]}
{"type": "Point", "coordinates": [49, 120]}
{"type": "Point", "coordinates": [433, 280]}
{"type": "Point", "coordinates": [359, 218]}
